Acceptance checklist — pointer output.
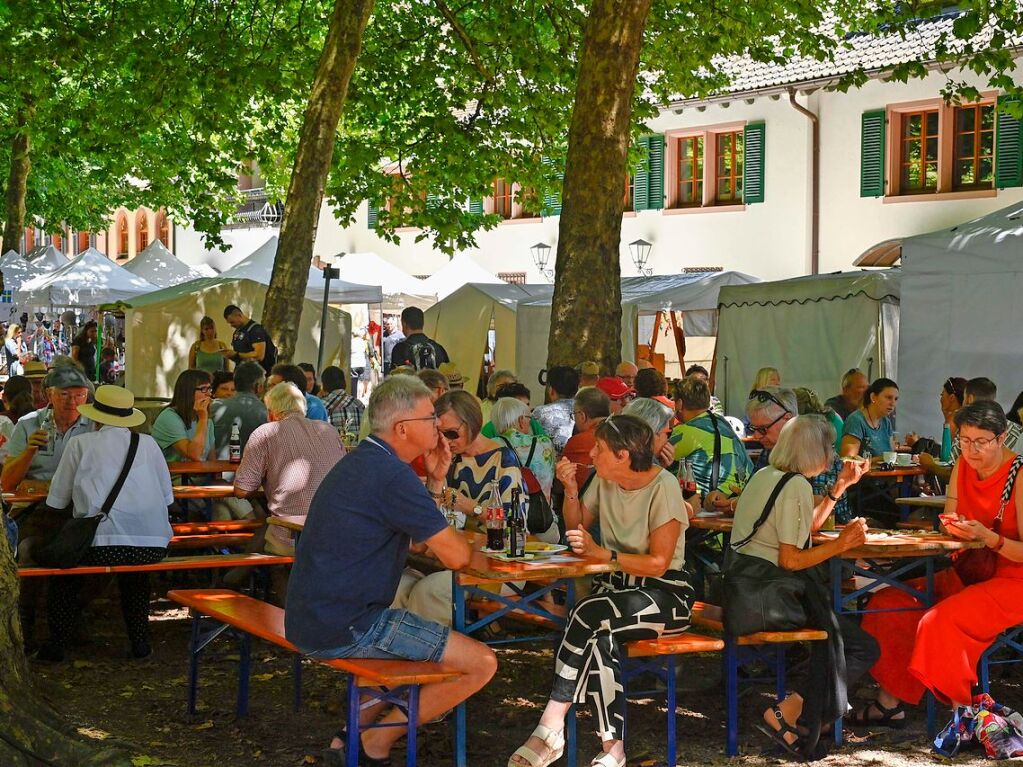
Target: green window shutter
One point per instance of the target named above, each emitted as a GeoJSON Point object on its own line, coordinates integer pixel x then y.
{"type": "Point", "coordinates": [641, 197]}
{"type": "Point", "coordinates": [872, 140]}
{"type": "Point", "coordinates": [552, 201]}
{"type": "Point", "coordinates": [476, 206]}
{"type": "Point", "coordinates": [1008, 147]}
{"type": "Point", "coordinates": [371, 218]}
{"type": "Point", "coordinates": [655, 177]}
{"type": "Point", "coordinates": [432, 201]}
{"type": "Point", "coordinates": [753, 163]}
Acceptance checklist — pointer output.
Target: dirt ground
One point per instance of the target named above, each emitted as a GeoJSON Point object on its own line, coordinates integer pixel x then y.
{"type": "Point", "coordinates": [142, 703]}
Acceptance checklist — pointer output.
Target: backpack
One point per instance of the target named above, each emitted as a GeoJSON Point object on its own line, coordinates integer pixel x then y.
{"type": "Point", "coordinates": [423, 355]}
{"type": "Point", "coordinates": [270, 358]}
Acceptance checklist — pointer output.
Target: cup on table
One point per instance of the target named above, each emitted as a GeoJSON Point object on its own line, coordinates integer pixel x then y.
{"type": "Point", "coordinates": [889, 456]}
{"type": "Point", "coordinates": [904, 459]}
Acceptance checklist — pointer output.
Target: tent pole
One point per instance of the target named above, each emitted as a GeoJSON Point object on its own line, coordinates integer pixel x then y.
{"type": "Point", "coordinates": [680, 340]}
{"type": "Point", "coordinates": [328, 273]}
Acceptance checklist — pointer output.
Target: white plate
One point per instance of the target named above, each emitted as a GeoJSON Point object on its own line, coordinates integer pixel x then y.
{"type": "Point", "coordinates": [541, 549]}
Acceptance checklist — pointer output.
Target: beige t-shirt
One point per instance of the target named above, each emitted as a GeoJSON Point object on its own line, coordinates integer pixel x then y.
{"type": "Point", "coordinates": [627, 517]}
{"type": "Point", "coordinates": [789, 522]}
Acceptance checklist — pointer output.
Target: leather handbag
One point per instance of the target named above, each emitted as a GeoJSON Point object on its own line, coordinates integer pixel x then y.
{"type": "Point", "coordinates": [759, 595]}
{"type": "Point", "coordinates": [978, 565]}
{"type": "Point", "coordinates": [540, 515]}
{"type": "Point", "coordinates": [76, 536]}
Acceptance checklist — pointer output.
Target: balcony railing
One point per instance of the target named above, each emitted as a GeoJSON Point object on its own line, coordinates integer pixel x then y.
{"type": "Point", "coordinates": [257, 210]}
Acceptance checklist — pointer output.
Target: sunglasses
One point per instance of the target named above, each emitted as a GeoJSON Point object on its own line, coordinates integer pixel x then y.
{"type": "Point", "coordinates": [765, 396]}
{"type": "Point", "coordinates": [759, 431]}
{"type": "Point", "coordinates": [451, 433]}
{"type": "Point", "coordinates": [613, 425]}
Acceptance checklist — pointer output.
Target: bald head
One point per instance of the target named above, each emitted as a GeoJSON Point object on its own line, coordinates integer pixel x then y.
{"type": "Point", "coordinates": [627, 372]}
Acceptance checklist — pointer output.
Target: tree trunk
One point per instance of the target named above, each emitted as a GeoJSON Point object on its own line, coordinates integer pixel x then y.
{"type": "Point", "coordinates": [586, 312]}
{"type": "Point", "coordinates": [32, 733]}
{"type": "Point", "coordinates": [283, 308]}
{"type": "Point", "coordinates": [17, 186]}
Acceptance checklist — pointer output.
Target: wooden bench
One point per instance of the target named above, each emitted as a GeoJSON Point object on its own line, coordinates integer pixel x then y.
{"type": "Point", "coordinates": [775, 642]}
{"type": "Point", "coordinates": [227, 526]}
{"type": "Point", "coordinates": [217, 541]}
{"type": "Point", "coordinates": [386, 680]}
{"type": "Point", "coordinates": [206, 562]}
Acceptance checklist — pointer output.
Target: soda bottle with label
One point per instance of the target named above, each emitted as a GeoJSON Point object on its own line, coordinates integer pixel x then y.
{"type": "Point", "coordinates": [687, 479]}
{"type": "Point", "coordinates": [234, 445]}
{"type": "Point", "coordinates": [494, 519]}
{"type": "Point", "coordinates": [516, 526]}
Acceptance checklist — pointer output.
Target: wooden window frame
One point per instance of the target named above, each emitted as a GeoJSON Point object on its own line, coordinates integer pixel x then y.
{"type": "Point", "coordinates": [946, 139]}
{"type": "Point", "coordinates": [629, 198]}
{"type": "Point", "coordinates": [977, 156]}
{"type": "Point", "coordinates": [511, 195]}
{"type": "Point", "coordinates": [123, 236]}
{"type": "Point", "coordinates": [142, 239]}
{"type": "Point", "coordinates": [734, 177]}
{"type": "Point", "coordinates": [672, 169]}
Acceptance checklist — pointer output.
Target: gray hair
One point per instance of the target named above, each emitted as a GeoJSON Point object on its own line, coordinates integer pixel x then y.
{"type": "Point", "coordinates": [506, 413]}
{"type": "Point", "coordinates": [393, 399]}
{"type": "Point", "coordinates": [499, 376]}
{"type": "Point", "coordinates": [766, 405]}
{"type": "Point", "coordinates": [655, 413]}
{"type": "Point", "coordinates": [986, 415]}
{"type": "Point", "coordinates": [285, 398]}
{"type": "Point", "coordinates": [806, 445]}
{"type": "Point", "coordinates": [247, 374]}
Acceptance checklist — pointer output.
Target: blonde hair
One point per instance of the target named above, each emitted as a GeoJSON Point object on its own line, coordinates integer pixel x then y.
{"type": "Point", "coordinates": [12, 329]}
{"type": "Point", "coordinates": [207, 322]}
{"type": "Point", "coordinates": [763, 378]}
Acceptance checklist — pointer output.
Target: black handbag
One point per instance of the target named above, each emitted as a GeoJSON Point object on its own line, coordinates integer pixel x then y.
{"type": "Point", "coordinates": [759, 595]}
{"type": "Point", "coordinates": [540, 515]}
{"type": "Point", "coordinates": [76, 536]}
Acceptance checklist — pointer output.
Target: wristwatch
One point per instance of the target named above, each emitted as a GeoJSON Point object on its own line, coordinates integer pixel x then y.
{"type": "Point", "coordinates": [477, 510]}
{"type": "Point", "coordinates": [614, 555]}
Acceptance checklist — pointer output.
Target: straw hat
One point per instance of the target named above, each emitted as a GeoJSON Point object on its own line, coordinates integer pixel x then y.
{"type": "Point", "coordinates": [33, 370]}
{"type": "Point", "coordinates": [450, 371]}
{"type": "Point", "coordinates": [114, 406]}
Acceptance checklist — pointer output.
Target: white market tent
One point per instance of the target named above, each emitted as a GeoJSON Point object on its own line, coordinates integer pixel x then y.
{"type": "Point", "coordinates": [474, 307]}
{"type": "Point", "coordinates": [961, 312]}
{"type": "Point", "coordinates": [460, 270]}
{"type": "Point", "coordinates": [399, 289]}
{"type": "Point", "coordinates": [813, 329]}
{"type": "Point", "coordinates": [162, 268]}
{"type": "Point", "coordinates": [47, 258]}
{"type": "Point", "coordinates": [89, 279]}
{"type": "Point", "coordinates": [17, 271]}
{"type": "Point", "coordinates": [258, 266]}
{"type": "Point", "coordinates": [161, 326]}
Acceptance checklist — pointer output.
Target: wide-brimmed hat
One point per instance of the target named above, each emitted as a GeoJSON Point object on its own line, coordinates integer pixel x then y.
{"type": "Point", "coordinates": [114, 406]}
{"type": "Point", "coordinates": [33, 370]}
{"type": "Point", "coordinates": [450, 371]}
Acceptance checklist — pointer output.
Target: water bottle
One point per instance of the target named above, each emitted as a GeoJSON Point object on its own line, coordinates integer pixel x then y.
{"type": "Point", "coordinates": [494, 519]}
{"type": "Point", "coordinates": [946, 444]}
{"type": "Point", "coordinates": [516, 526]}
{"type": "Point", "coordinates": [50, 428]}
{"type": "Point", "coordinates": [234, 445]}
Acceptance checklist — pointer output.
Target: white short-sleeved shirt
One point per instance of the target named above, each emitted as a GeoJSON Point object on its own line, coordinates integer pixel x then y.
{"type": "Point", "coordinates": [627, 517]}
{"type": "Point", "coordinates": [88, 470]}
{"type": "Point", "coordinates": [790, 522]}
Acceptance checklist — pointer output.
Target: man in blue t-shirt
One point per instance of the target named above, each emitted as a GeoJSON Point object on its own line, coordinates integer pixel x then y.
{"type": "Point", "coordinates": [367, 512]}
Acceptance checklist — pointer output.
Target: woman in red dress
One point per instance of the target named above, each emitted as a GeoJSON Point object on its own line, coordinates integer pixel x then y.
{"type": "Point", "coordinates": [939, 649]}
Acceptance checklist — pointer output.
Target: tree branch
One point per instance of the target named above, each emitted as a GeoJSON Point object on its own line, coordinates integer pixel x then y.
{"type": "Point", "coordinates": [462, 35]}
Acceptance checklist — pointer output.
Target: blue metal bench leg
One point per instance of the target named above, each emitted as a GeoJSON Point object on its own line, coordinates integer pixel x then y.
{"type": "Point", "coordinates": [779, 672]}
{"type": "Point", "coordinates": [245, 647]}
{"type": "Point", "coordinates": [193, 665]}
{"type": "Point", "coordinates": [931, 729]}
{"type": "Point", "coordinates": [570, 736]}
{"type": "Point", "coordinates": [413, 725]}
{"type": "Point", "coordinates": [672, 708]}
{"type": "Point", "coordinates": [352, 726]}
{"type": "Point", "coordinates": [731, 672]}
{"type": "Point", "coordinates": [837, 730]}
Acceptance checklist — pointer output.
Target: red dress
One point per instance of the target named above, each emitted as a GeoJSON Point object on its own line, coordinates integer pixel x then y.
{"type": "Point", "coordinates": [939, 649]}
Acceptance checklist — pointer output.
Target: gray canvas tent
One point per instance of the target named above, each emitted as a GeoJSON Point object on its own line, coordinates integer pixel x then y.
{"type": "Point", "coordinates": [812, 329]}
{"type": "Point", "coordinates": [961, 312]}
{"type": "Point", "coordinates": [162, 268]}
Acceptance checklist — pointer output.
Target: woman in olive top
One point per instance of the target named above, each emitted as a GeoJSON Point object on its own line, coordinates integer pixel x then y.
{"type": "Point", "coordinates": [208, 352]}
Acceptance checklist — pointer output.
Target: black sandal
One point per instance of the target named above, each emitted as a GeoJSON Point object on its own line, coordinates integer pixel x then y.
{"type": "Point", "coordinates": [778, 736]}
{"type": "Point", "coordinates": [887, 719]}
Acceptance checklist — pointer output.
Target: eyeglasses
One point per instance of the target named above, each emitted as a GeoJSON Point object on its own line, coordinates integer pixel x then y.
{"type": "Point", "coordinates": [765, 396]}
{"type": "Point", "coordinates": [980, 443]}
{"type": "Point", "coordinates": [204, 388]}
{"type": "Point", "coordinates": [69, 396]}
{"type": "Point", "coordinates": [431, 417]}
{"type": "Point", "coordinates": [760, 431]}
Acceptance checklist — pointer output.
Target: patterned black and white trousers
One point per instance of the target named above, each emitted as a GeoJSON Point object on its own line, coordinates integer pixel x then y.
{"type": "Point", "coordinates": [622, 608]}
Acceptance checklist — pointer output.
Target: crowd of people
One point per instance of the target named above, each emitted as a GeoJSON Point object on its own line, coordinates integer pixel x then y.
{"type": "Point", "coordinates": [624, 462]}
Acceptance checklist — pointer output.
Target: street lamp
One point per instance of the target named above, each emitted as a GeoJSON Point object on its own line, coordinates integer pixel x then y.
{"type": "Point", "coordinates": [329, 273]}
{"type": "Point", "coordinates": [640, 250]}
{"type": "Point", "coordinates": [541, 254]}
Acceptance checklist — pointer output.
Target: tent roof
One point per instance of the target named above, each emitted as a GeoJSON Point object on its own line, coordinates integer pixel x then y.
{"type": "Point", "coordinates": [697, 291]}
{"type": "Point", "coordinates": [460, 270]}
{"type": "Point", "coordinates": [17, 271]}
{"type": "Point", "coordinates": [88, 280]}
{"type": "Point", "coordinates": [399, 288]}
{"type": "Point", "coordinates": [48, 258]}
{"type": "Point", "coordinates": [989, 244]}
{"type": "Point", "coordinates": [159, 266]}
{"type": "Point", "coordinates": [258, 266]}
{"type": "Point", "coordinates": [816, 287]}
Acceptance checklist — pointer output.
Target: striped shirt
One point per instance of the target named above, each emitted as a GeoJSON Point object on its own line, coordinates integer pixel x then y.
{"type": "Point", "coordinates": [289, 458]}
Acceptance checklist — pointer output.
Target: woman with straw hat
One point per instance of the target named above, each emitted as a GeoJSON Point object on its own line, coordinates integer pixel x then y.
{"type": "Point", "coordinates": [134, 531]}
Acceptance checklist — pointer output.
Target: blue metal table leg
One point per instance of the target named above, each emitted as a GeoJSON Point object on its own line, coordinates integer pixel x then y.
{"type": "Point", "coordinates": [779, 672]}
{"type": "Point", "coordinates": [672, 708]}
{"type": "Point", "coordinates": [458, 620]}
{"type": "Point", "coordinates": [193, 664]}
{"type": "Point", "coordinates": [731, 671]}
{"type": "Point", "coordinates": [352, 726]}
{"type": "Point", "coordinates": [245, 647]}
{"type": "Point", "coordinates": [931, 728]}
{"type": "Point", "coordinates": [413, 724]}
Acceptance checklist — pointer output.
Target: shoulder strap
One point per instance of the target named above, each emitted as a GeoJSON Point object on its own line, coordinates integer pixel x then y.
{"type": "Point", "coordinates": [133, 446]}
{"type": "Point", "coordinates": [768, 508]}
{"type": "Point", "coordinates": [715, 468]}
{"type": "Point", "coordinates": [1010, 483]}
{"type": "Point", "coordinates": [532, 450]}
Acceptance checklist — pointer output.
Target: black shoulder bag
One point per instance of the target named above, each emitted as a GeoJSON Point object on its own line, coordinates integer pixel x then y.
{"type": "Point", "coordinates": [540, 516]}
{"type": "Point", "coordinates": [759, 595]}
{"type": "Point", "coordinates": [76, 536]}
{"type": "Point", "coordinates": [715, 467]}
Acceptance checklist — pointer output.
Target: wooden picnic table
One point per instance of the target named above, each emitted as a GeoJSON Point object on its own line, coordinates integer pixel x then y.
{"type": "Point", "coordinates": [293, 522]}
{"type": "Point", "coordinates": [201, 467]}
{"type": "Point", "coordinates": [924, 501]}
{"type": "Point", "coordinates": [37, 492]}
{"type": "Point", "coordinates": [899, 472]}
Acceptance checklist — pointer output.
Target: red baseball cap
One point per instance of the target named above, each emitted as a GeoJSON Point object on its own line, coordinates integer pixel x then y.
{"type": "Point", "coordinates": [614, 387]}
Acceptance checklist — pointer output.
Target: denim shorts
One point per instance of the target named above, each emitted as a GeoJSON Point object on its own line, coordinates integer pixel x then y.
{"type": "Point", "coordinates": [396, 635]}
